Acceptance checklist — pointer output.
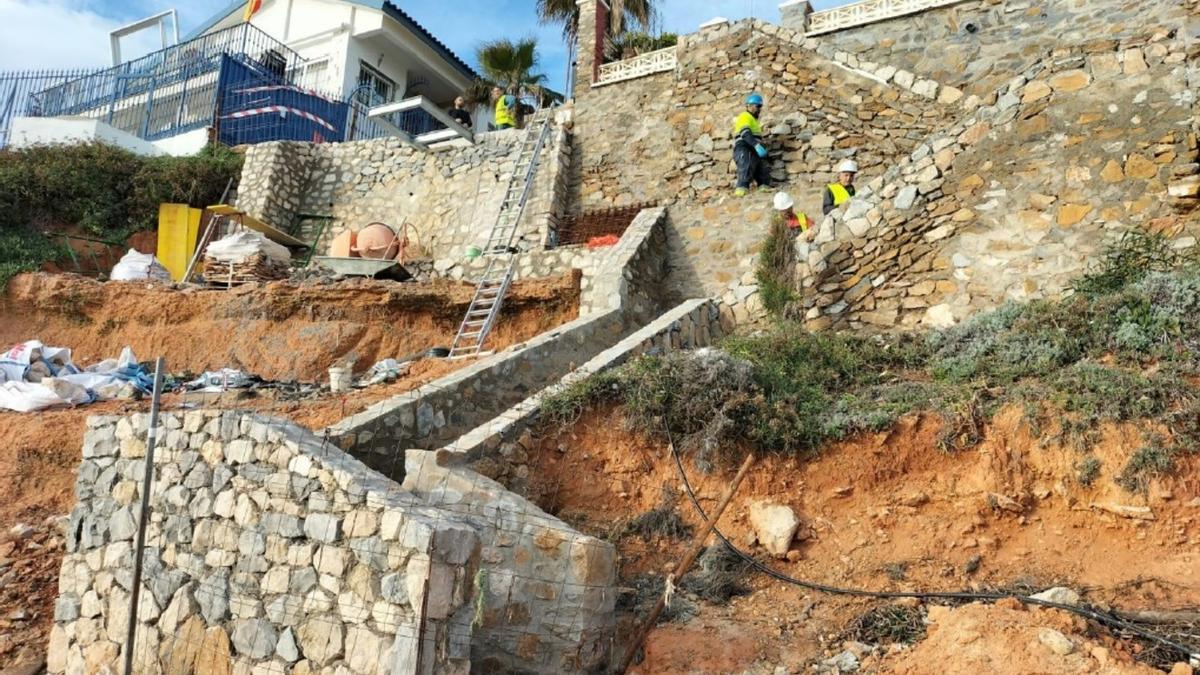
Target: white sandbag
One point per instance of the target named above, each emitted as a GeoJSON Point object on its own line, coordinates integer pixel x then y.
{"type": "Point", "coordinates": [135, 266]}
{"type": "Point", "coordinates": [17, 363]}
{"type": "Point", "coordinates": [241, 245]}
{"type": "Point", "coordinates": [27, 396]}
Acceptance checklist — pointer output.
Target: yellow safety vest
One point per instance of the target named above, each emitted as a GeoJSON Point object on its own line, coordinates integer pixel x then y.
{"type": "Point", "coordinates": [747, 121]}
{"type": "Point", "coordinates": [840, 194]}
{"type": "Point", "coordinates": [504, 114]}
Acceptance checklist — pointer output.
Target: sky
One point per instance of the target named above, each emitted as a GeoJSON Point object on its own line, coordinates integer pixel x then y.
{"type": "Point", "coordinates": [43, 34]}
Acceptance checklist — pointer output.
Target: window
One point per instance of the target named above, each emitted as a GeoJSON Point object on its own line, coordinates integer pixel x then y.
{"type": "Point", "coordinates": [311, 74]}
{"type": "Point", "coordinates": [374, 87]}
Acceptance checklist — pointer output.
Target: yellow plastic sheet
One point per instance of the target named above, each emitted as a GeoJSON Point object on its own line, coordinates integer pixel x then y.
{"type": "Point", "coordinates": [178, 228]}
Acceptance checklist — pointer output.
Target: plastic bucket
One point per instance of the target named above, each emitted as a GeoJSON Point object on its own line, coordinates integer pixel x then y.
{"type": "Point", "coordinates": [340, 379]}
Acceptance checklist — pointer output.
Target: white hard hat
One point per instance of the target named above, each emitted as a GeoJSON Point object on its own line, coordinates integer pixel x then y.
{"type": "Point", "coordinates": [783, 201]}
{"type": "Point", "coordinates": [848, 166]}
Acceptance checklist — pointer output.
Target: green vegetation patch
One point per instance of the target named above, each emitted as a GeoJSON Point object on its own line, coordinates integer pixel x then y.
{"type": "Point", "coordinates": [105, 191]}
{"type": "Point", "coordinates": [1121, 350]}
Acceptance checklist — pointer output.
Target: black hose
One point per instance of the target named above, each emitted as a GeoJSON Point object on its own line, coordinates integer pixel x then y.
{"type": "Point", "coordinates": [1086, 612]}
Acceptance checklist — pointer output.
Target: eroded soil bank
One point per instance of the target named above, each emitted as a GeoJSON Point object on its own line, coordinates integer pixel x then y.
{"type": "Point", "coordinates": [277, 330]}
{"type": "Point", "coordinates": [890, 511]}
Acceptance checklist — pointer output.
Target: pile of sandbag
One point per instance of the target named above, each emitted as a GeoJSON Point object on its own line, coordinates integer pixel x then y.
{"type": "Point", "coordinates": [34, 376]}
{"type": "Point", "coordinates": [245, 256]}
{"type": "Point", "coordinates": [135, 266]}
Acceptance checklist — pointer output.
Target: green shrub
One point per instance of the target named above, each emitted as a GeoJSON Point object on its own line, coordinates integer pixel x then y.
{"type": "Point", "coordinates": [1088, 470]}
{"type": "Point", "coordinates": [107, 191]}
{"type": "Point", "coordinates": [776, 266]}
{"type": "Point", "coordinates": [1130, 259]}
{"type": "Point", "coordinates": [632, 43]}
{"type": "Point", "coordinates": [1127, 354]}
{"type": "Point", "coordinates": [1147, 463]}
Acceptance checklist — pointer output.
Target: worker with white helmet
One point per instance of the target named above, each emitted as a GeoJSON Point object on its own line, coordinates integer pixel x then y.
{"type": "Point", "coordinates": [749, 153]}
{"type": "Point", "coordinates": [840, 192]}
{"type": "Point", "coordinates": [785, 209]}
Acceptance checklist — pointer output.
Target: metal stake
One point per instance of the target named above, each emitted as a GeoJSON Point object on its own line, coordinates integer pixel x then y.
{"type": "Point", "coordinates": [147, 481]}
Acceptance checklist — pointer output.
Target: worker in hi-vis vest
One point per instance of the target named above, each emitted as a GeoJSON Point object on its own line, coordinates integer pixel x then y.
{"type": "Point", "coordinates": [840, 192]}
{"type": "Point", "coordinates": [506, 109]}
{"type": "Point", "coordinates": [749, 153]}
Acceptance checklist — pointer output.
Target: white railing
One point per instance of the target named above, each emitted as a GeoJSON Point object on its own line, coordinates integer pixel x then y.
{"type": "Point", "coordinates": [639, 66]}
{"type": "Point", "coordinates": [868, 11]}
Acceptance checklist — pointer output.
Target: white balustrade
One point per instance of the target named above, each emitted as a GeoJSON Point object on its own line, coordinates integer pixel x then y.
{"type": "Point", "coordinates": [639, 66]}
{"type": "Point", "coordinates": [869, 11]}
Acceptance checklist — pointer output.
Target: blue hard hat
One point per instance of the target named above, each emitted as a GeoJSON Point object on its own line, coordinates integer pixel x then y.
{"type": "Point", "coordinates": [754, 99]}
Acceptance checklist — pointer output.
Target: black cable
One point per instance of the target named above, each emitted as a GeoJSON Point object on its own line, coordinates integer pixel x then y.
{"type": "Point", "coordinates": [1086, 612]}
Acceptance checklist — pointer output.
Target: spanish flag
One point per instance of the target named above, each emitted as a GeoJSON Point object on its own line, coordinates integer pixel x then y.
{"type": "Point", "coordinates": [252, 6]}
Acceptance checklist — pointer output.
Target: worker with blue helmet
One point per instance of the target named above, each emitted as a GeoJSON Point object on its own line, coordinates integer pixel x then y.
{"type": "Point", "coordinates": [749, 153]}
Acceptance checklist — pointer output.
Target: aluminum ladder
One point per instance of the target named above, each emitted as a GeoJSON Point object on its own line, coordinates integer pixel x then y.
{"type": "Point", "coordinates": [500, 253]}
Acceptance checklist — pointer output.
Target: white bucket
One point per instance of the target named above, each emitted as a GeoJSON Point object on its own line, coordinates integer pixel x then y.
{"type": "Point", "coordinates": [340, 379]}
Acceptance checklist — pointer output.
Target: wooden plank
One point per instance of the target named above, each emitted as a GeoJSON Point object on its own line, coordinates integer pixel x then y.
{"type": "Point", "coordinates": [252, 223]}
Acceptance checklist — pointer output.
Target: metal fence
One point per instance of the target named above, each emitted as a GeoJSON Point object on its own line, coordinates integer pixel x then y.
{"type": "Point", "coordinates": [239, 80]}
{"type": "Point", "coordinates": [17, 90]}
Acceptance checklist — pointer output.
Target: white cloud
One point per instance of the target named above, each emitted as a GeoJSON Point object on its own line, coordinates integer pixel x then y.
{"type": "Point", "coordinates": [40, 34]}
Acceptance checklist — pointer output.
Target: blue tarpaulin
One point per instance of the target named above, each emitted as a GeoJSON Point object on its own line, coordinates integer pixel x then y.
{"type": "Point", "coordinates": [257, 106]}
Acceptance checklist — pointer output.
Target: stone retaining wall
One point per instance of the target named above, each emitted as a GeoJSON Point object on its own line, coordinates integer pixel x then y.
{"type": "Point", "coordinates": [500, 449]}
{"type": "Point", "coordinates": [620, 290]}
{"type": "Point", "coordinates": [979, 45]}
{"type": "Point", "coordinates": [675, 138]}
{"type": "Point", "coordinates": [266, 549]}
{"type": "Point", "coordinates": [1090, 138]}
{"type": "Point", "coordinates": [270, 550]}
{"type": "Point", "coordinates": [549, 609]}
{"type": "Point", "coordinates": [440, 411]}
{"type": "Point", "coordinates": [450, 196]}
{"type": "Point", "coordinates": [668, 138]}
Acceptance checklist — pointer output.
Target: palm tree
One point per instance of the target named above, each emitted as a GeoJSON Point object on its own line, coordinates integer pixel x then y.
{"type": "Point", "coordinates": [511, 64]}
{"type": "Point", "coordinates": [641, 14]}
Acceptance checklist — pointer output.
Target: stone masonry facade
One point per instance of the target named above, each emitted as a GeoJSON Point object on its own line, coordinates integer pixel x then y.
{"type": "Point", "coordinates": [675, 145]}
{"type": "Point", "coordinates": [979, 45]}
{"type": "Point", "coordinates": [620, 295]}
{"type": "Point", "coordinates": [269, 550]}
{"type": "Point", "coordinates": [1104, 138]}
{"type": "Point", "coordinates": [449, 197]}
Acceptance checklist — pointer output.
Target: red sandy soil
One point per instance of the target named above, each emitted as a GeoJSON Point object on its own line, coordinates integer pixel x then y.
{"type": "Point", "coordinates": [279, 331]}
{"type": "Point", "coordinates": [878, 502]}
{"type": "Point", "coordinates": [1006, 638]}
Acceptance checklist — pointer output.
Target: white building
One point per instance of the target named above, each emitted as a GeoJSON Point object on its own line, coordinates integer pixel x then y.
{"type": "Point", "coordinates": [176, 100]}
{"type": "Point", "coordinates": [351, 43]}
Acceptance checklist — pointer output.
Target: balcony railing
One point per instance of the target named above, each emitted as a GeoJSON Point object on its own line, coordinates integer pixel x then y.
{"type": "Point", "coordinates": [159, 95]}
{"type": "Point", "coordinates": [866, 12]}
{"type": "Point", "coordinates": [16, 90]}
{"type": "Point", "coordinates": [642, 65]}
